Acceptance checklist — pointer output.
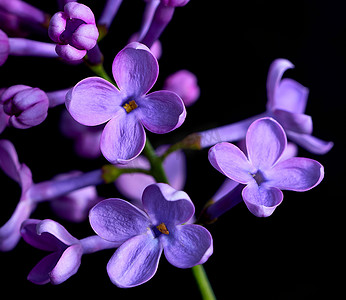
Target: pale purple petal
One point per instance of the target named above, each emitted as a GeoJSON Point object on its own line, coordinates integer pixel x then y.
{"type": "Point", "coordinates": [40, 273]}
{"type": "Point", "coordinates": [187, 245]}
{"type": "Point", "coordinates": [69, 52]}
{"type": "Point", "coordinates": [265, 141]}
{"type": "Point", "coordinates": [261, 200]}
{"type": "Point", "coordinates": [57, 26]}
{"type": "Point", "coordinates": [93, 101]}
{"type": "Point", "coordinates": [276, 70]}
{"type": "Point", "coordinates": [231, 161]}
{"type": "Point", "coordinates": [85, 36]}
{"type": "Point", "coordinates": [79, 11]}
{"type": "Point", "coordinates": [135, 261]}
{"type": "Point", "coordinates": [67, 265]}
{"type": "Point", "coordinates": [296, 122]}
{"type": "Point", "coordinates": [296, 174]}
{"type": "Point", "coordinates": [310, 143]}
{"type": "Point", "coordinates": [291, 96]}
{"type": "Point", "coordinates": [166, 205]}
{"type": "Point", "coordinates": [123, 138]}
{"type": "Point", "coordinates": [135, 70]}
{"type": "Point", "coordinates": [161, 111]}
{"type": "Point", "coordinates": [117, 220]}
{"type": "Point", "coordinates": [9, 162]}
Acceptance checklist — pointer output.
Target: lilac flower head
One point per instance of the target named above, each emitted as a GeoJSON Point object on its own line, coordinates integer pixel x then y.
{"type": "Point", "coordinates": [74, 30]}
{"type": "Point", "coordinates": [129, 109]}
{"type": "Point", "coordinates": [26, 106]}
{"type": "Point", "coordinates": [65, 258]}
{"type": "Point", "coordinates": [184, 83]}
{"type": "Point", "coordinates": [145, 234]}
{"type": "Point", "coordinates": [262, 170]}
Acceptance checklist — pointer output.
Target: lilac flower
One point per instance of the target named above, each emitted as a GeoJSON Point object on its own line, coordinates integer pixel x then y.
{"type": "Point", "coordinates": [145, 234]}
{"type": "Point", "coordinates": [74, 30]}
{"type": "Point", "coordinates": [127, 110]}
{"type": "Point", "coordinates": [262, 171]}
{"type": "Point", "coordinates": [286, 103]}
{"type": "Point", "coordinates": [26, 106]}
{"type": "Point", "coordinates": [132, 185]}
{"type": "Point", "coordinates": [184, 83]}
{"type": "Point", "coordinates": [67, 251]}
{"type": "Point", "coordinates": [24, 47]}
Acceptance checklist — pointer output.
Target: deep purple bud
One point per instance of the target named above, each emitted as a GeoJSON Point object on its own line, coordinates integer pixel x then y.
{"type": "Point", "coordinates": [25, 105]}
{"type": "Point", "coordinates": [74, 30]}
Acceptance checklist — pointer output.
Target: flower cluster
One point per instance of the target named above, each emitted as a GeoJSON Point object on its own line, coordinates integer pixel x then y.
{"type": "Point", "coordinates": [110, 116]}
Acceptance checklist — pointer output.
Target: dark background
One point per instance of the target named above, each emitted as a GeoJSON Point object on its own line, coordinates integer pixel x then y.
{"type": "Point", "coordinates": [293, 254]}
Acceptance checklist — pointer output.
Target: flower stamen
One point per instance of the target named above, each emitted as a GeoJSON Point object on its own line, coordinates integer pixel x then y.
{"type": "Point", "coordinates": [162, 228]}
{"type": "Point", "coordinates": [130, 106]}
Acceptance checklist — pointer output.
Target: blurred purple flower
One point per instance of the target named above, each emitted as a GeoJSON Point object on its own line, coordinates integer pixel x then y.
{"type": "Point", "coordinates": [262, 171]}
{"type": "Point", "coordinates": [127, 110]}
{"type": "Point", "coordinates": [145, 234]}
{"type": "Point", "coordinates": [184, 83]}
{"type": "Point", "coordinates": [74, 30]}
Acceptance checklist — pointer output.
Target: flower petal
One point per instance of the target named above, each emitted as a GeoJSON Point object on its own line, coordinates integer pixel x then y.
{"type": "Point", "coordinates": [166, 205]}
{"type": "Point", "coordinates": [310, 143]}
{"type": "Point", "coordinates": [135, 70]}
{"type": "Point", "coordinates": [265, 142]}
{"type": "Point", "coordinates": [123, 138]}
{"type": "Point", "coordinates": [162, 111]}
{"type": "Point", "coordinates": [135, 261]}
{"type": "Point", "coordinates": [231, 161]}
{"type": "Point", "coordinates": [276, 70]}
{"type": "Point", "coordinates": [291, 96]}
{"type": "Point", "coordinates": [188, 245]}
{"type": "Point", "coordinates": [300, 123]}
{"type": "Point", "coordinates": [116, 220]}
{"type": "Point", "coordinates": [93, 101]}
{"type": "Point", "coordinates": [67, 265]}
{"type": "Point", "coordinates": [296, 174]}
{"type": "Point", "coordinates": [261, 200]}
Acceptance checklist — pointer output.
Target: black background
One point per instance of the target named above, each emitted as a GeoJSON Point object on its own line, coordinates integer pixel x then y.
{"type": "Point", "coordinates": [294, 254]}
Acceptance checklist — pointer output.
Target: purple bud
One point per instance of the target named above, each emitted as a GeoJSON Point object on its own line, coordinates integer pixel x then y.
{"type": "Point", "coordinates": [74, 30]}
{"type": "Point", "coordinates": [26, 106]}
{"type": "Point", "coordinates": [184, 83]}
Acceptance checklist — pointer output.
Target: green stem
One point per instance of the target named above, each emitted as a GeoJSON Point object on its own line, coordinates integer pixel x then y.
{"type": "Point", "coordinates": [203, 283]}
{"type": "Point", "coordinates": [111, 173]}
{"type": "Point", "coordinates": [100, 71]}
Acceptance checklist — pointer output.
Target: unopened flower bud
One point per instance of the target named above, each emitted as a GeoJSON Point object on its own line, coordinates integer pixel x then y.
{"type": "Point", "coordinates": [25, 105]}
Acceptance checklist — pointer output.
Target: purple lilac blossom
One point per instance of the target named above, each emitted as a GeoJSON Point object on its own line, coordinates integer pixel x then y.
{"type": "Point", "coordinates": [74, 30]}
{"type": "Point", "coordinates": [132, 185]}
{"type": "Point", "coordinates": [144, 234]}
{"type": "Point", "coordinates": [66, 251]}
{"type": "Point", "coordinates": [262, 170]}
{"type": "Point", "coordinates": [286, 103]}
{"type": "Point", "coordinates": [127, 110]}
{"type": "Point", "coordinates": [25, 106]}
{"type": "Point", "coordinates": [184, 83]}
{"type": "Point", "coordinates": [24, 47]}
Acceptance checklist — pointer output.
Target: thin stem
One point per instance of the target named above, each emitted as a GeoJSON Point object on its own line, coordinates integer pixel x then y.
{"type": "Point", "coordinates": [203, 283]}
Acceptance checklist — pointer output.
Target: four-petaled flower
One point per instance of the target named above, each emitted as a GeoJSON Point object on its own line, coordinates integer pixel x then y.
{"type": "Point", "coordinates": [262, 171]}
{"type": "Point", "coordinates": [94, 101]}
{"type": "Point", "coordinates": [145, 234]}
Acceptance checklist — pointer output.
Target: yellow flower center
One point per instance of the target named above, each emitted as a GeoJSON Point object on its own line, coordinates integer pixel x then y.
{"type": "Point", "coordinates": [130, 106]}
{"type": "Point", "coordinates": [162, 228]}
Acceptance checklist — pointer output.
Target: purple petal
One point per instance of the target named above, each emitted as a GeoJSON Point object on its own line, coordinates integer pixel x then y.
{"type": "Point", "coordinates": [67, 265]}
{"type": "Point", "coordinates": [291, 96]}
{"type": "Point", "coordinates": [261, 200]}
{"type": "Point", "coordinates": [166, 205]}
{"type": "Point", "coordinates": [123, 138]}
{"type": "Point", "coordinates": [79, 11]}
{"type": "Point", "coordinates": [227, 186]}
{"type": "Point", "coordinates": [69, 53]}
{"type": "Point", "coordinates": [135, 262]}
{"type": "Point", "coordinates": [116, 220]}
{"type": "Point", "coordinates": [93, 101]}
{"type": "Point", "coordinates": [135, 70]}
{"type": "Point", "coordinates": [57, 26]}
{"type": "Point", "coordinates": [265, 141]}
{"type": "Point", "coordinates": [296, 174]}
{"type": "Point", "coordinates": [310, 143]}
{"type": "Point", "coordinates": [162, 111]}
{"type": "Point", "coordinates": [85, 36]}
{"type": "Point", "coordinates": [188, 245]}
{"type": "Point", "coordinates": [276, 70]}
{"type": "Point", "coordinates": [231, 161]}
{"type": "Point", "coordinates": [293, 121]}
{"type": "Point", "coordinates": [175, 168]}
{"type": "Point", "coordinates": [40, 273]}
{"type": "Point", "coordinates": [9, 160]}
